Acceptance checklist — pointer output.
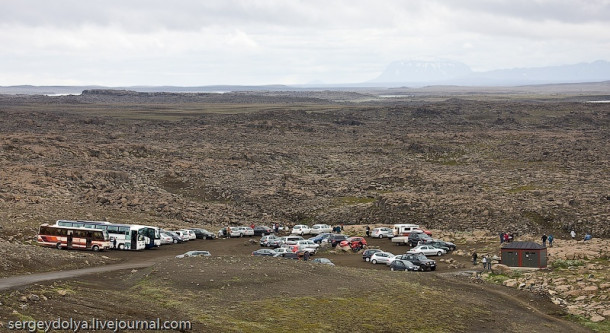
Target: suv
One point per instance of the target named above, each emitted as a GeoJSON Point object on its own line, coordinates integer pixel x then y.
{"type": "Point", "coordinates": [317, 229]}
{"type": "Point", "coordinates": [449, 245]}
{"type": "Point", "coordinates": [417, 237]}
{"type": "Point", "coordinates": [336, 239]}
{"type": "Point", "coordinates": [418, 259]}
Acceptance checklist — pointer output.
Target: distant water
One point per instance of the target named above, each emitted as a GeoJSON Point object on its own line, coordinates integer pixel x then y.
{"type": "Point", "coordinates": [55, 95]}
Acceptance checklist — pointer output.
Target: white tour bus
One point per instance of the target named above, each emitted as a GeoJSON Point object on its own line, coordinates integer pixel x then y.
{"type": "Point", "coordinates": [122, 236]}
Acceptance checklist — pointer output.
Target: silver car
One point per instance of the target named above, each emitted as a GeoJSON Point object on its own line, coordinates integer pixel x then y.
{"type": "Point", "coordinates": [194, 254]}
{"type": "Point", "coordinates": [382, 232]}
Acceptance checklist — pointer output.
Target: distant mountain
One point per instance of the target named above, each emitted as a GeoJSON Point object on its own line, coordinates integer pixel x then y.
{"type": "Point", "coordinates": [423, 71]}
{"type": "Point", "coordinates": [420, 73]}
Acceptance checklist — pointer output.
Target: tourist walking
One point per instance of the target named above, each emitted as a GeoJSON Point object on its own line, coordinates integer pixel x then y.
{"type": "Point", "coordinates": [550, 239]}
{"type": "Point", "coordinates": [484, 261]}
{"type": "Point", "coordinates": [474, 258]}
{"type": "Point", "coordinates": [544, 239]}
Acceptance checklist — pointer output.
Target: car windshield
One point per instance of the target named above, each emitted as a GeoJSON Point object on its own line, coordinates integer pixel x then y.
{"type": "Point", "coordinates": [420, 256]}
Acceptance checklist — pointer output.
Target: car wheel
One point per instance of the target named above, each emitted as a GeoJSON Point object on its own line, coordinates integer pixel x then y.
{"type": "Point", "coordinates": [439, 253]}
{"type": "Point", "coordinates": [95, 248]}
{"type": "Point", "coordinates": [374, 262]}
{"type": "Point", "coordinates": [367, 259]}
{"type": "Point", "coordinates": [392, 269]}
{"type": "Point", "coordinates": [175, 242]}
{"type": "Point", "coordinates": [58, 246]}
{"type": "Point", "coordinates": [122, 246]}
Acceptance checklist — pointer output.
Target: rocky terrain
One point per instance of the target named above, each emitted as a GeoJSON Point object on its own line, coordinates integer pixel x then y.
{"type": "Point", "coordinates": [466, 167]}
{"type": "Point", "coordinates": [517, 164]}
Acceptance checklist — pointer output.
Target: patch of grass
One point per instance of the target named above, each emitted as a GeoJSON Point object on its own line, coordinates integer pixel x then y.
{"type": "Point", "coordinates": [537, 218]}
{"type": "Point", "coordinates": [520, 189]}
{"type": "Point", "coordinates": [561, 263]}
{"type": "Point", "coordinates": [603, 326]}
{"type": "Point", "coordinates": [362, 313]}
{"type": "Point", "coordinates": [161, 295]}
{"type": "Point", "coordinates": [497, 278]}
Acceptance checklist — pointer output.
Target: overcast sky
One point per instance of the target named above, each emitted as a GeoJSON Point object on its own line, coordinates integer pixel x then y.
{"type": "Point", "coordinates": [189, 43]}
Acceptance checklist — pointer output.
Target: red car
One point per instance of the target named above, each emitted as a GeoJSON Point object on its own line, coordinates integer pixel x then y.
{"type": "Point", "coordinates": [356, 243]}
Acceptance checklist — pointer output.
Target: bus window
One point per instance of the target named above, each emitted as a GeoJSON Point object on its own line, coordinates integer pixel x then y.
{"type": "Point", "coordinates": [113, 229]}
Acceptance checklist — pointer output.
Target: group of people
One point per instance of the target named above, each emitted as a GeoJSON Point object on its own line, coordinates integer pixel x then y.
{"type": "Point", "coordinates": [548, 238]}
{"type": "Point", "coordinates": [505, 237]}
{"type": "Point", "coordinates": [485, 260]}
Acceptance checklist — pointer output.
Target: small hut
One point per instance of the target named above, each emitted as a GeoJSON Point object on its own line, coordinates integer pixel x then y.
{"type": "Point", "coordinates": [524, 254]}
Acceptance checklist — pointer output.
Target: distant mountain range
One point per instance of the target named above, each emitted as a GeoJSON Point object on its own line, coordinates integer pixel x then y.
{"type": "Point", "coordinates": [421, 73]}
{"type": "Point", "coordinates": [410, 74]}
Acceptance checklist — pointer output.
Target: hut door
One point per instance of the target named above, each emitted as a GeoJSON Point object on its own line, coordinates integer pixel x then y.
{"type": "Point", "coordinates": [530, 259]}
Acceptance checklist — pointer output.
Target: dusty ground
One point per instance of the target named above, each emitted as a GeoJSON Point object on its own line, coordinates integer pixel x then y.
{"type": "Point", "coordinates": [233, 291]}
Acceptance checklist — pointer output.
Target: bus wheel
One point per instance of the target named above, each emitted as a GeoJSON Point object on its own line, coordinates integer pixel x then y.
{"type": "Point", "coordinates": [95, 248]}
{"type": "Point", "coordinates": [121, 246]}
{"type": "Point", "coordinates": [58, 246]}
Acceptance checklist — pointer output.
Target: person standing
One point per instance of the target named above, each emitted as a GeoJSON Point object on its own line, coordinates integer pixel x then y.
{"type": "Point", "coordinates": [306, 256]}
{"type": "Point", "coordinates": [550, 239]}
{"type": "Point", "coordinates": [484, 261]}
{"type": "Point", "coordinates": [573, 234]}
{"type": "Point", "coordinates": [474, 257]}
{"type": "Point", "coordinates": [368, 231]}
{"type": "Point", "coordinates": [544, 239]}
{"type": "Point", "coordinates": [488, 263]}
{"type": "Point", "coordinates": [501, 237]}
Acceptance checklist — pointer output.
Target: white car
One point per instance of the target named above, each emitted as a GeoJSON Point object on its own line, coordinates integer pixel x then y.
{"type": "Point", "coordinates": [166, 239]}
{"type": "Point", "coordinates": [427, 250]}
{"type": "Point", "coordinates": [381, 258]}
{"type": "Point", "coordinates": [290, 240]}
{"type": "Point", "coordinates": [183, 235]}
{"type": "Point", "coordinates": [300, 229]}
{"type": "Point", "coordinates": [317, 229]}
{"type": "Point", "coordinates": [246, 231]}
{"type": "Point", "coordinates": [194, 254]}
{"type": "Point", "coordinates": [283, 250]}
{"type": "Point", "coordinates": [190, 233]}
{"type": "Point", "coordinates": [382, 232]}
{"type": "Point", "coordinates": [308, 246]}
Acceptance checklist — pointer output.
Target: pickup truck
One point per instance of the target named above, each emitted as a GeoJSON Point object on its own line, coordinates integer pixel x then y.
{"type": "Point", "coordinates": [400, 240]}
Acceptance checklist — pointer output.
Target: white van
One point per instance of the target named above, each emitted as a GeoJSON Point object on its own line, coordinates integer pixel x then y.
{"type": "Point", "coordinates": [404, 229]}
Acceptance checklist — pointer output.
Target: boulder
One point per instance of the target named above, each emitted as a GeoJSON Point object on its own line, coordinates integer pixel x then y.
{"type": "Point", "coordinates": [597, 318]}
{"type": "Point", "coordinates": [511, 283]}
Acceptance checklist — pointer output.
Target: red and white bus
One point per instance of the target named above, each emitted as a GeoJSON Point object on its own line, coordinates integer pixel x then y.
{"type": "Point", "coordinates": [73, 238]}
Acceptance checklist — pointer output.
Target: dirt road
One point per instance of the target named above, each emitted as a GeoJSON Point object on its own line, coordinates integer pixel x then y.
{"type": "Point", "coordinates": [234, 246]}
